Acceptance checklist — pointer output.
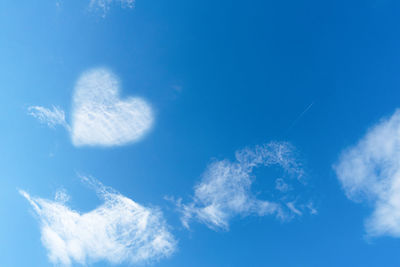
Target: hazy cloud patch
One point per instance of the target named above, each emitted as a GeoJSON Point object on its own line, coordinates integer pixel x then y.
{"type": "Point", "coordinates": [369, 172]}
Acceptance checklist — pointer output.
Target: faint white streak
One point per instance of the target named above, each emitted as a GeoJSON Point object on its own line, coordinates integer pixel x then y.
{"type": "Point", "coordinates": [299, 117]}
{"type": "Point", "coordinates": [370, 172]}
{"type": "Point", "coordinates": [225, 188]}
{"type": "Point", "coordinates": [120, 230]}
{"type": "Point", "coordinates": [101, 118]}
{"type": "Point", "coordinates": [292, 207]}
{"type": "Point", "coordinates": [52, 118]}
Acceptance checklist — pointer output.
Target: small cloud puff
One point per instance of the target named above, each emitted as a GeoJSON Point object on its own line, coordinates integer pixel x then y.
{"type": "Point", "coordinates": [370, 172]}
{"type": "Point", "coordinates": [120, 230]}
{"type": "Point", "coordinates": [225, 188]}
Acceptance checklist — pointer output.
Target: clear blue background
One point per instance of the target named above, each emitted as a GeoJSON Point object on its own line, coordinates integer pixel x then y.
{"type": "Point", "coordinates": [246, 69]}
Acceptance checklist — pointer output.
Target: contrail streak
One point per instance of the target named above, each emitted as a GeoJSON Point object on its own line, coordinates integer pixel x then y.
{"type": "Point", "coordinates": [299, 117]}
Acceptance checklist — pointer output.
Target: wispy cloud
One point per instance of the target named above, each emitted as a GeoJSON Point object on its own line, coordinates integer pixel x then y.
{"type": "Point", "coordinates": [120, 230]}
{"type": "Point", "coordinates": [104, 5]}
{"type": "Point", "coordinates": [51, 117]}
{"type": "Point", "coordinates": [370, 172]}
{"type": "Point", "coordinates": [100, 117]}
{"type": "Point", "coordinates": [225, 188]}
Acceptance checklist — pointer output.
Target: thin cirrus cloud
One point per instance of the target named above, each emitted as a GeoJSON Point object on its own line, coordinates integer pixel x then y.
{"type": "Point", "coordinates": [118, 231]}
{"type": "Point", "coordinates": [369, 172]}
{"type": "Point", "coordinates": [51, 117]}
{"type": "Point", "coordinates": [225, 188]}
{"type": "Point", "coordinates": [99, 116]}
{"type": "Point", "coordinates": [104, 5]}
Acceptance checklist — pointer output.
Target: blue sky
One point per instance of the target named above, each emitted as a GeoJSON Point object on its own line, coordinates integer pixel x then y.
{"type": "Point", "coordinates": [208, 133]}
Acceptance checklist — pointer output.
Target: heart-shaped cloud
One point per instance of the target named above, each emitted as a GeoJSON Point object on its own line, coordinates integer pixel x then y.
{"type": "Point", "coordinates": [101, 118]}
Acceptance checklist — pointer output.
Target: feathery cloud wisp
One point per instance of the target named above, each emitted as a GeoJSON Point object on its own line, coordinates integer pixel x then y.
{"type": "Point", "coordinates": [225, 188]}
{"type": "Point", "coordinates": [53, 117]}
{"type": "Point", "coordinates": [104, 5]}
{"type": "Point", "coordinates": [370, 172]}
{"type": "Point", "coordinates": [100, 117]}
{"type": "Point", "coordinates": [120, 230]}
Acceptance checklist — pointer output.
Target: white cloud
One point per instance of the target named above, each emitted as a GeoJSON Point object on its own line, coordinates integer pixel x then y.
{"type": "Point", "coordinates": [104, 5]}
{"type": "Point", "coordinates": [100, 117]}
{"type": "Point", "coordinates": [225, 189]}
{"type": "Point", "coordinates": [52, 118]}
{"type": "Point", "coordinates": [370, 172]}
{"type": "Point", "coordinates": [120, 230]}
